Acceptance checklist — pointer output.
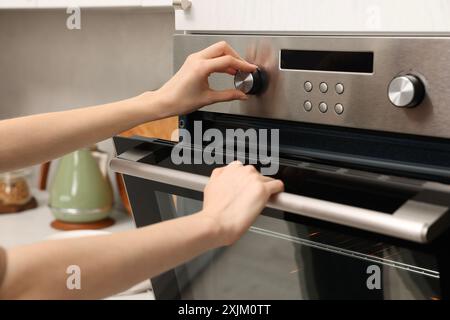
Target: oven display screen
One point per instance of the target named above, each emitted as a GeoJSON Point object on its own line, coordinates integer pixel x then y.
{"type": "Point", "coordinates": [337, 61]}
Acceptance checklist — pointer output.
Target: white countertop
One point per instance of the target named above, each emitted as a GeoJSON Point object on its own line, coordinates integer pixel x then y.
{"type": "Point", "coordinates": [34, 225]}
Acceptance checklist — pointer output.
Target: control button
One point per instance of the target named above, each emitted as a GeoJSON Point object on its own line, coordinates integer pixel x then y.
{"type": "Point", "coordinates": [339, 108]}
{"type": "Point", "coordinates": [323, 87]}
{"type": "Point", "coordinates": [323, 107]}
{"type": "Point", "coordinates": [339, 88]}
{"type": "Point", "coordinates": [250, 83]}
{"type": "Point", "coordinates": [308, 86]}
{"type": "Point", "coordinates": [406, 91]}
{"type": "Point", "coordinates": [307, 105]}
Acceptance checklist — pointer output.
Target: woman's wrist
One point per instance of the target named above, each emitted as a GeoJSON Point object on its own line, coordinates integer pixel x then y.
{"type": "Point", "coordinates": [210, 228]}
{"type": "Point", "coordinates": [152, 105]}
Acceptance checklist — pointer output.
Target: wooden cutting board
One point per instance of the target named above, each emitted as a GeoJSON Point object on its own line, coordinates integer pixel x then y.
{"type": "Point", "coordinates": [161, 129]}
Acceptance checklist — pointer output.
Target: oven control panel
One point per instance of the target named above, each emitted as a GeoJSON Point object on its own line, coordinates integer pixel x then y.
{"type": "Point", "coordinates": [329, 92]}
{"type": "Point", "coordinates": [383, 83]}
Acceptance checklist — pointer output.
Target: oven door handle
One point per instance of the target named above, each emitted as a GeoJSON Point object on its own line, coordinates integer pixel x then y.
{"type": "Point", "coordinates": [408, 227]}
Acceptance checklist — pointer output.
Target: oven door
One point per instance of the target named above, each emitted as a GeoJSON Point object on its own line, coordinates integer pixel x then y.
{"type": "Point", "coordinates": [334, 233]}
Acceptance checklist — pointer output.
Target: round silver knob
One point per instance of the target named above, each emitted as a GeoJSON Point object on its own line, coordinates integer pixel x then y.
{"type": "Point", "coordinates": [250, 83]}
{"type": "Point", "coordinates": [406, 91]}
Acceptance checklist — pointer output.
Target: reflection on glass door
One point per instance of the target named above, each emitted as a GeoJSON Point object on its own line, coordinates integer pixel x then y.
{"type": "Point", "coordinates": [280, 259]}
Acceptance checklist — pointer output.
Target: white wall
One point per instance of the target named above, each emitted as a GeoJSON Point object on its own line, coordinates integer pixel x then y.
{"type": "Point", "coordinates": [46, 67]}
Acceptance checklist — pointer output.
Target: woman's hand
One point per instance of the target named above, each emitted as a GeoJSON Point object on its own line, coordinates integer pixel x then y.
{"type": "Point", "coordinates": [234, 197]}
{"type": "Point", "coordinates": [189, 89]}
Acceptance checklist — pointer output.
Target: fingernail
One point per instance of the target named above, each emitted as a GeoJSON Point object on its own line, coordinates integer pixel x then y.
{"type": "Point", "coordinates": [243, 98]}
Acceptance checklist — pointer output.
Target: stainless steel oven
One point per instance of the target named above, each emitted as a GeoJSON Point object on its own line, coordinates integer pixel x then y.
{"type": "Point", "coordinates": [364, 153]}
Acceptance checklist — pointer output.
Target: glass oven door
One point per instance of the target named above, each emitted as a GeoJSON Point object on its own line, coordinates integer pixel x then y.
{"type": "Point", "coordinates": [335, 233]}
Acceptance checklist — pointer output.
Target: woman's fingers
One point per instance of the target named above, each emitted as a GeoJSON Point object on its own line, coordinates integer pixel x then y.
{"type": "Point", "coordinates": [216, 172]}
{"type": "Point", "coordinates": [219, 49]}
{"type": "Point", "coordinates": [236, 163]}
{"type": "Point", "coordinates": [227, 95]}
{"type": "Point", "coordinates": [231, 71]}
{"type": "Point", "coordinates": [274, 186]}
{"type": "Point", "coordinates": [266, 179]}
{"type": "Point", "coordinates": [224, 63]}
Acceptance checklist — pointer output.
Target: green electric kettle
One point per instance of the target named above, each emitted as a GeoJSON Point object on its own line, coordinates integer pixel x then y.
{"type": "Point", "coordinates": [80, 192]}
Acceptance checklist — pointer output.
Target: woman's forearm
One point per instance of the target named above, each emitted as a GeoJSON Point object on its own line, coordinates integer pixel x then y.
{"type": "Point", "coordinates": [35, 139]}
{"type": "Point", "coordinates": [233, 198]}
{"type": "Point", "coordinates": [108, 264]}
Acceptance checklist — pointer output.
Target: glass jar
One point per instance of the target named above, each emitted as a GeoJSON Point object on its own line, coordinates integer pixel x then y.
{"type": "Point", "coordinates": [14, 188]}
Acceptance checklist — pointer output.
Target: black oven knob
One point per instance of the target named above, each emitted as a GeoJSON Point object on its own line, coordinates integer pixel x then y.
{"type": "Point", "coordinates": [250, 83]}
{"type": "Point", "coordinates": [406, 91]}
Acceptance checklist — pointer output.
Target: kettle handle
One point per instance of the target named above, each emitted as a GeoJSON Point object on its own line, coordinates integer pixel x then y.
{"type": "Point", "coordinates": [43, 175]}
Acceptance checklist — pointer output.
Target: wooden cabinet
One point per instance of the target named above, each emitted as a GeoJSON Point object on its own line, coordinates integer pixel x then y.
{"type": "Point", "coordinates": [316, 16]}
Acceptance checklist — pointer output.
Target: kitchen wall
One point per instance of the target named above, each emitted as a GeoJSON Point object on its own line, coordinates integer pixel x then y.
{"type": "Point", "coordinates": [46, 67]}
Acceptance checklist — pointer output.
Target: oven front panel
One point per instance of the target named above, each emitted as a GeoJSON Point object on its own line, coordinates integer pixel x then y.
{"type": "Point", "coordinates": [348, 78]}
{"type": "Point", "coordinates": [279, 259]}
{"type": "Point", "coordinates": [282, 259]}
{"type": "Point", "coordinates": [287, 256]}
